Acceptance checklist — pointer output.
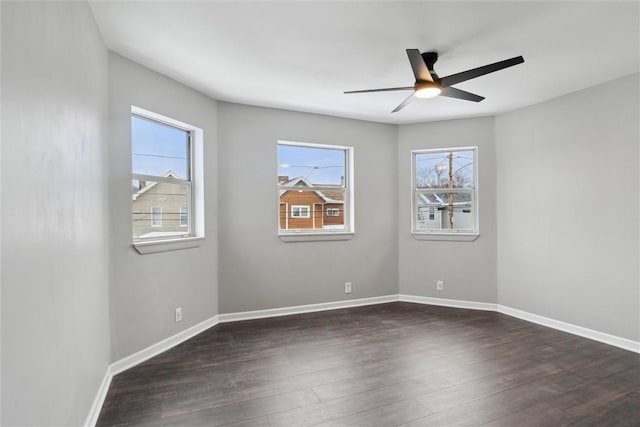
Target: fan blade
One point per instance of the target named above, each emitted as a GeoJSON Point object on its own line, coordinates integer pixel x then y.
{"type": "Point", "coordinates": [380, 90]}
{"type": "Point", "coordinates": [404, 103]}
{"type": "Point", "coordinates": [452, 92]}
{"type": "Point", "coordinates": [420, 69]}
{"type": "Point", "coordinates": [480, 71]}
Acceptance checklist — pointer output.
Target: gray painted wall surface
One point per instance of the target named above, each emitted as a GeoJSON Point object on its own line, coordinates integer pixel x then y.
{"type": "Point", "coordinates": [467, 268]}
{"type": "Point", "coordinates": [146, 289]}
{"type": "Point", "coordinates": [579, 155]}
{"type": "Point", "coordinates": [257, 269]}
{"type": "Point", "coordinates": [55, 316]}
{"type": "Point", "coordinates": [1, 215]}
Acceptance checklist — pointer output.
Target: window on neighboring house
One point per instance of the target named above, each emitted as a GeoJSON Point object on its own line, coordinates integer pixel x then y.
{"type": "Point", "coordinates": [333, 212]}
{"type": "Point", "coordinates": [445, 198]}
{"type": "Point", "coordinates": [300, 211]}
{"type": "Point", "coordinates": [167, 193]}
{"type": "Point", "coordinates": [156, 216]}
{"type": "Point", "coordinates": [314, 179]}
{"type": "Point", "coordinates": [184, 217]}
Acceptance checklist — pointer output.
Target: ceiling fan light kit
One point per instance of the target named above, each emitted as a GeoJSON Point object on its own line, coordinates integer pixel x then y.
{"type": "Point", "coordinates": [427, 90]}
{"type": "Point", "coordinates": [429, 85]}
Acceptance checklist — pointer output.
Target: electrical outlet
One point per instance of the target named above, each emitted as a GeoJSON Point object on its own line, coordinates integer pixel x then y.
{"type": "Point", "coordinates": [178, 314]}
{"type": "Point", "coordinates": [347, 287]}
{"type": "Point", "coordinates": [440, 285]}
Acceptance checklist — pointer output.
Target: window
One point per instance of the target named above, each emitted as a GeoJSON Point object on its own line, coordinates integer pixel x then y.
{"type": "Point", "coordinates": [184, 217]}
{"type": "Point", "coordinates": [300, 211]}
{"type": "Point", "coordinates": [444, 200]}
{"type": "Point", "coordinates": [167, 191]}
{"type": "Point", "coordinates": [156, 216]}
{"type": "Point", "coordinates": [315, 192]}
{"type": "Point", "coordinates": [333, 212]}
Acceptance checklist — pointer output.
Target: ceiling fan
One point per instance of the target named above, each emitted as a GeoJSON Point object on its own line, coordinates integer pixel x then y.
{"type": "Point", "coordinates": [429, 85]}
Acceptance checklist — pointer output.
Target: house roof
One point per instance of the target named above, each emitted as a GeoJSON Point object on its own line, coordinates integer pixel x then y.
{"type": "Point", "coordinates": [168, 174]}
{"type": "Point", "coordinates": [327, 196]}
{"type": "Point", "coordinates": [459, 199]}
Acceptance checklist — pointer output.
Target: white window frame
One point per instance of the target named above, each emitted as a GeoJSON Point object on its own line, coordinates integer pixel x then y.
{"type": "Point", "coordinates": [195, 235]}
{"type": "Point", "coordinates": [299, 208]}
{"type": "Point", "coordinates": [333, 212]}
{"type": "Point", "coordinates": [296, 235]}
{"type": "Point", "coordinates": [156, 216]}
{"type": "Point", "coordinates": [446, 234]}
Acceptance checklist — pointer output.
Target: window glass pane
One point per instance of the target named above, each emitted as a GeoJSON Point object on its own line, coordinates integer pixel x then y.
{"type": "Point", "coordinates": [452, 169]}
{"type": "Point", "coordinates": [156, 216]}
{"type": "Point", "coordinates": [159, 149]}
{"type": "Point", "coordinates": [444, 211]}
{"type": "Point", "coordinates": [184, 217]}
{"type": "Point", "coordinates": [318, 166]}
{"type": "Point", "coordinates": [304, 210]}
{"type": "Point", "coordinates": [159, 209]}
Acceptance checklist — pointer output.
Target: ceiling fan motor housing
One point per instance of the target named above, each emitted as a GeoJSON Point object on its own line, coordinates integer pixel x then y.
{"type": "Point", "coordinates": [430, 58]}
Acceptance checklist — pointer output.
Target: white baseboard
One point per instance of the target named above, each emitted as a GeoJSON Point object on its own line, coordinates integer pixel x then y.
{"type": "Point", "coordinates": [159, 347]}
{"type": "Point", "coordinates": [164, 345]}
{"type": "Point", "coordinates": [472, 305]}
{"type": "Point", "coordinates": [613, 340]}
{"type": "Point", "coordinates": [139, 357]}
{"type": "Point", "coordinates": [605, 338]}
{"type": "Point", "coordinates": [94, 413]}
{"type": "Point", "coordinates": [308, 308]}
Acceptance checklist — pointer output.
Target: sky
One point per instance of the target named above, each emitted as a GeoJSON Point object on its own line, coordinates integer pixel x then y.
{"type": "Point", "coordinates": [317, 165]}
{"type": "Point", "coordinates": [158, 148]}
{"type": "Point", "coordinates": [428, 165]}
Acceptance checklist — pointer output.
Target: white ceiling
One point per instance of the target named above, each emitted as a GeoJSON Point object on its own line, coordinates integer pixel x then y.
{"type": "Point", "coordinates": [303, 55]}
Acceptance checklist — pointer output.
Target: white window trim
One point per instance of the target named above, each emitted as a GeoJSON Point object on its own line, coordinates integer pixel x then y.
{"type": "Point", "coordinates": [348, 206]}
{"type": "Point", "coordinates": [446, 235]}
{"type": "Point", "coordinates": [335, 212]}
{"type": "Point", "coordinates": [155, 246]}
{"type": "Point", "coordinates": [300, 208]}
{"type": "Point", "coordinates": [196, 236]}
{"type": "Point", "coordinates": [156, 222]}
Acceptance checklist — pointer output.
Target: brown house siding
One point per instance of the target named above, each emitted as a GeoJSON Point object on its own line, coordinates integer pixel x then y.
{"type": "Point", "coordinates": [301, 198]}
{"type": "Point", "coordinates": [334, 220]}
{"type": "Point", "coordinates": [318, 217]}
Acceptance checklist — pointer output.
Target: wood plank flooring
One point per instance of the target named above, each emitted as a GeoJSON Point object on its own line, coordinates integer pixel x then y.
{"type": "Point", "coordinates": [382, 365]}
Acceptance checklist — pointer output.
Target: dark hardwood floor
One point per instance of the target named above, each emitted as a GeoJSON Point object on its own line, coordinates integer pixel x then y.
{"type": "Point", "coordinates": [383, 365]}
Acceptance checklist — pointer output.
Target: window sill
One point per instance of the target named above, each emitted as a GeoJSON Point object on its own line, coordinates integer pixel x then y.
{"type": "Point", "coordinates": [156, 246]}
{"type": "Point", "coordinates": [448, 237]}
{"type": "Point", "coordinates": [315, 237]}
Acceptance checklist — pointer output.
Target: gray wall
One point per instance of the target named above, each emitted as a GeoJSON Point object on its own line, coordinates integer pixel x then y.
{"type": "Point", "coordinates": [563, 168]}
{"type": "Point", "coordinates": [257, 270]}
{"type": "Point", "coordinates": [146, 289]}
{"type": "Point", "coordinates": [467, 268]}
{"type": "Point", "coordinates": [55, 316]}
{"type": "Point", "coordinates": [66, 251]}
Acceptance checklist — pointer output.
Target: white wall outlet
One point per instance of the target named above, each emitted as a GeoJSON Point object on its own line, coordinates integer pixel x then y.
{"type": "Point", "coordinates": [178, 314]}
{"type": "Point", "coordinates": [440, 285]}
{"type": "Point", "coordinates": [347, 287]}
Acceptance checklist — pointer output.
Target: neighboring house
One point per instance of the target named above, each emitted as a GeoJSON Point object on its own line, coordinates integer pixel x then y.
{"type": "Point", "coordinates": [160, 209]}
{"type": "Point", "coordinates": [309, 208]}
{"type": "Point", "coordinates": [433, 211]}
